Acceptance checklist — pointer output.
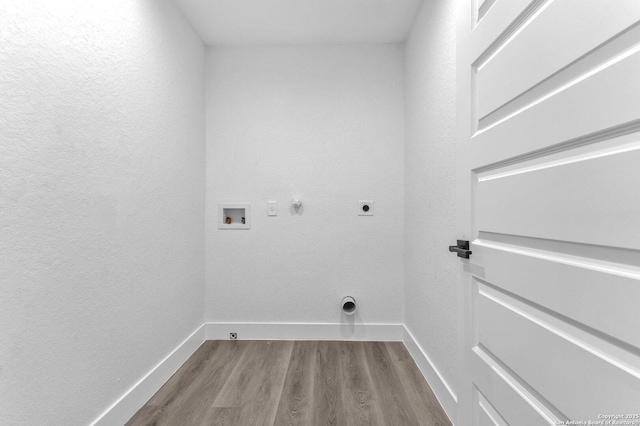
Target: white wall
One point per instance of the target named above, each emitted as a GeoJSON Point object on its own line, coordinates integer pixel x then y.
{"type": "Point", "coordinates": [101, 201]}
{"type": "Point", "coordinates": [430, 190]}
{"type": "Point", "coordinates": [324, 124]}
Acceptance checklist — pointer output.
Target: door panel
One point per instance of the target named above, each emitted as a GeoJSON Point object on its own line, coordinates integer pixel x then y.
{"type": "Point", "coordinates": [565, 113]}
{"type": "Point", "coordinates": [514, 401]}
{"type": "Point", "coordinates": [549, 196]}
{"type": "Point", "coordinates": [508, 72]}
{"type": "Point", "coordinates": [557, 200]}
{"type": "Point", "coordinates": [499, 22]}
{"type": "Point", "coordinates": [567, 285]}
{"type": "Point", "coordinates": [487, 414]}
{"type": "Point", "coordinates": [578, 377]}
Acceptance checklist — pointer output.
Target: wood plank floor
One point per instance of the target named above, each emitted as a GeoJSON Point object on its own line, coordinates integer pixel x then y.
{"type": "Point", "coordinates": [248, 383]}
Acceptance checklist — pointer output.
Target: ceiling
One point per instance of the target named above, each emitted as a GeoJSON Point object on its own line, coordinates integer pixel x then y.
{"type": "Point", "coordinates": [300, 22]}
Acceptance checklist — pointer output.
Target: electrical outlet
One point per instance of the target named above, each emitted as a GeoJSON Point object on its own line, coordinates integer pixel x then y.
{"type": "Point", "coordinates": [233, 336]}
{"type": "Point", "coordinates": [365, 208]}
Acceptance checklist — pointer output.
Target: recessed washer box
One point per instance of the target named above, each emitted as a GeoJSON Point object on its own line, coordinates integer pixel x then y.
{"type": "Point", "coordinates": [234, 213]}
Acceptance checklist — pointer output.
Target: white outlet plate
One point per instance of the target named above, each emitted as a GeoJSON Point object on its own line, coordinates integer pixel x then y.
{"type": "Point", "coordinates": [362, 210]}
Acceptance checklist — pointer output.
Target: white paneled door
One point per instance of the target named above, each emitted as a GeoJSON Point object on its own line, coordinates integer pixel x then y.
{"type": "Point", "coordinates": [549, 197]}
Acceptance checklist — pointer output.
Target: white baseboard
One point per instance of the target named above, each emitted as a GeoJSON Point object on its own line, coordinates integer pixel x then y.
{"type": "Point", "coordinates": [124, 408]}
{"type": "Point", "coordinates": [305, 331]}
{"type": "Point", "coordinates": [445, 394]}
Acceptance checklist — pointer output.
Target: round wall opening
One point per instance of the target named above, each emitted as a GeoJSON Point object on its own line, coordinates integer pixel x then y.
{"type": "Point", "coordinates": [349, 305]}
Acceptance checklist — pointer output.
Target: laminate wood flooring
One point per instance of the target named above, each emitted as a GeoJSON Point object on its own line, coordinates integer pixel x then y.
{"type": "Point", "coordinates": [304, 383]}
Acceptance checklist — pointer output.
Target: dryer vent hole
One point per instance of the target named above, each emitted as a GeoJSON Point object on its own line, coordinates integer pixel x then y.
{"type": "Point", "coordinates": [349, 307]}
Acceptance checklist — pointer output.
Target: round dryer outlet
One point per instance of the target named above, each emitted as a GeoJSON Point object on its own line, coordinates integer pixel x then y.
{"type": "Point", "coordinates": [365, 208]}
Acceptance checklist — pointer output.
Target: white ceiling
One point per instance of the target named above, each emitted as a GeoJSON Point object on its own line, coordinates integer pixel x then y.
{"type": "Point", "coordinates": [278, 22]}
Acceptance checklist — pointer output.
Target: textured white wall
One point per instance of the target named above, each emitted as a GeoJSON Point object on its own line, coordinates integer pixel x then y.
{"type": "Point", "coordinates": [101, 201]}
{"type": "Point", "coordinates": [431, 276]}
{"type": "Point", "coordinates": [324, 124]}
